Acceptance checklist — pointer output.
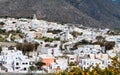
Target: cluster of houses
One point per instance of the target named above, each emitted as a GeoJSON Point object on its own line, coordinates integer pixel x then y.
{"type": "Point", "coordinates": [14, 60]}
{"type": "Point", "coordinates": [56, 54]}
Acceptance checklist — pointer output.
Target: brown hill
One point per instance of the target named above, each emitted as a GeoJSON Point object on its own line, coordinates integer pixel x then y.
{"type": "Point", "coordinates": [96, 13]}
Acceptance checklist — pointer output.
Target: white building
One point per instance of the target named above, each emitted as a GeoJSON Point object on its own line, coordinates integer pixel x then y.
{"type": "Point", "coordinates": [89, 35]}
{"type": "Point", "coordinates": [72, 58]}
{"type": "Point", "coordinates": [59, 63]}
{"type": "Point", "coordinates": [14, 60]}
{"type": "Point", "coordinates": [85, 63]}
{"type": "Point", "coordinates": [66, 36]}
{"type": "Point", "coordinates": [88, 49]}
{"type": "Point", "coordinates": [51, 49]}
{"type": "Point", "coordinates": [34, 22]}
{"type": "Point", "coordinates": [115, 39]}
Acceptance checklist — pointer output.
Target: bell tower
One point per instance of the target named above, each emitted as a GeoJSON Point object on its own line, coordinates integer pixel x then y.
{"type": "Point", "coordinates": [34, 16]}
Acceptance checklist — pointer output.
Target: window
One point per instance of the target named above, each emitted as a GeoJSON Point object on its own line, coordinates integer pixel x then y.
{"type": "Point", "coordinates": [47, 45]}
{"type": "Point", "coordinates": [71, 58]}
{"type": "Point", "coordinates": [30, 63]}
{"type": "Point", "coordinates": [87, 63]}
{"type": "Point", "coordinates": [25, 69]}
{"type": "Point", "coordinates": [41, 43]}
{"type": "Point", "coordinates": [92, 63]}
{"type": "Point", "coordinates": [84, 63]}
{"type": "Point", "coordinates": [55, 45]}
{"type": "Point", "coordinates": [58, 66]}
{"type": "Point", "coordinates": [80, 61]}
{"type": "Point", "coordinates": [17, 63]}
{"type": "Point", "coordinates": [17, 67]}
{"type": "Point", "coordinates": [102, 62]}
{"type": "Point", "coordinates": [108, 62]}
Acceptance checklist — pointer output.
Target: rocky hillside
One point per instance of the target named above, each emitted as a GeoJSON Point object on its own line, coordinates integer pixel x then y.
{"type": "Point", "coordinates": [96, 13]}
{"type": "Point", "coordinates": [116, 2]}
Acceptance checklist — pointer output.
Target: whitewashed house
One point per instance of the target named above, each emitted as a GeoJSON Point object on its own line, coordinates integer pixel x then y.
{"type": "Point", "coordinates": [60, 63]}
{"type": "Point", "coordinates": [114, 38]}
{"type": "Point", "coordinates": [88, 35]}
{"type": "Point", "coordinates": [51, 49]}
{"type": "Point", "coordinates": [85, 63]}
{"type": "Point", "coordinates": [66, 36]}
{"type": "Point", "coordinates": [88, 49]}
{"type": "Point", "coordinates": [29, 36]}
{"type": "Point", "coordinates": [14, 60]}
{"type": "Point", "coordinates": [72, 58]}
{"type": "Point", "coordinates": [34, 22]}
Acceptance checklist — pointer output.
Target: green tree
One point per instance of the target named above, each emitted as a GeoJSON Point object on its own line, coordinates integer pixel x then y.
{"type": "Point", "coordinates": [54, 31]}
{"type": "Point", "coordinates": [72, 64]}
{"type": "Point", "coordinates": [109, 45]}
{"type": "Point", "coordinates": [2, 23]}
{"type": "Point", "coordinates": [85, 42]}
{"type": "Point", "coordinates": [39, 64]}
{"type": "Point", "coordinates": [49, 40]}
{"type": "Point", "coordinates": [100, 38]}
{"type": "Point", "coordinates": [2, 31]}
{"type": "Point", "coordinates": [75, 34]}
{"type": "Point", "coordinates": [26, 47]}
{"type": "Point", "coordinates": [113, 69]}
{"type": "Point", "coordinates": [32, 69]}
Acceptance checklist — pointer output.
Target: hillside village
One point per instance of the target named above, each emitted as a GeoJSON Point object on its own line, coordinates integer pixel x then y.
{"type": "Point", "coordinates": [51, 47]}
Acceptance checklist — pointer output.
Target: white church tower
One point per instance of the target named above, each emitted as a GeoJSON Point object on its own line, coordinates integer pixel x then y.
{"type": "Point", "coordinates": [34, 17]}
{"type": "Point", "coordinates": [34, 22]}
